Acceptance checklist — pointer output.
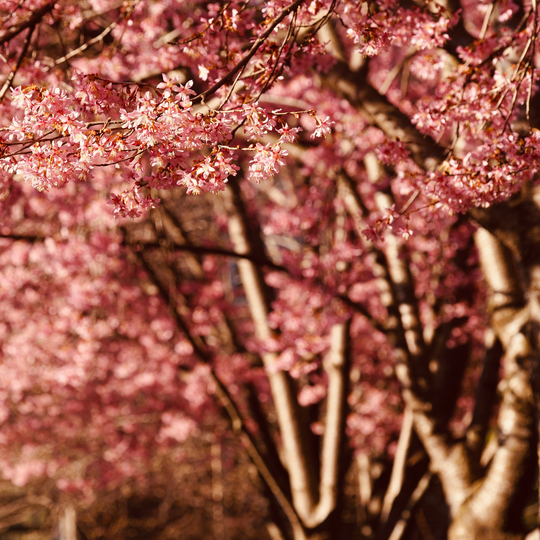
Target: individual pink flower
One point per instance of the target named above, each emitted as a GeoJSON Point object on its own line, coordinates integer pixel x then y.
{"type": "Point", "coordinates": [323, 127]}
{"type": "Point", "coordinates": [267, 162]}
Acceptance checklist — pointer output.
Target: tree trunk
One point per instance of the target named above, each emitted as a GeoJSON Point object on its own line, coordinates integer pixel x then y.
{"type": "Point", "coordinates": [67, 524]}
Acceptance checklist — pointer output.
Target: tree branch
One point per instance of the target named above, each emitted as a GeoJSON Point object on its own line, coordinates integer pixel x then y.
{"type": "Point", "coordinates": [17, 65]}
{"type": "Point", "coordinates": [491, 502]}
{"type": "Point", "coordinates": [400, 464]}
{"type": "Point", "coordinates": [295, 449]}
{"type": "Point", "coordinates": [397, 294]}
{"type": "Point", "coordinates": [486, 393]}
{"type": "Point", "coordinates": [418, 493]}
{"type": "Point", "coordinates": [252, 51]}
{"type": "Point", "coordinates": [448, 459]}
{"type": "Point", "coordinates": [355, 207]}
{"type": "Point", "coordinates": [240, 429]}
{"type": "Point", "coordinates": [313, 506]}
{"type": "Point", "coordinates": [210, 250]}
{"type": "Point", "coordinates": [237, 422]}
{"type": "Point", "coordinates": [188, 247]}
{"type": "Point", "coordinates": [23, 24]}
{"type": "Point", "coordinates": [335, 364]}
{"type": "Point", "coordinates": [354, 87]}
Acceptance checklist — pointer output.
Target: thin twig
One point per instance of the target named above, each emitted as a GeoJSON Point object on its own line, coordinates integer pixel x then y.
{"type": "Point", "coordinates": [254, 48]}
{"type": "Point", "coordinates": [514, 99]}
{"type": "Point", "coordinates": [393, 74]}
{"type": "Point", "coordinates": [200, 34]}
{"type": "Point", "coordinates": [290, 32]}
{"type": "Point", "coordinates": [485, 24]}
{"type": "Point", "coordinates": [32, 20]}
{"type": "Point", "coordinates": [531, 84]}
{"type": "Point", "coordinates": [13, 72]}
{"type": "Point", "coordinates": [86, 45]}
{"type": "Point", "coordinates": [103, 34]}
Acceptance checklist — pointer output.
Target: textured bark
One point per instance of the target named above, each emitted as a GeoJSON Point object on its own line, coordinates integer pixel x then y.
{"type": "Point", "coordinates": [480, 507]}
{"type": "Point", "coordinates": [486, 513]}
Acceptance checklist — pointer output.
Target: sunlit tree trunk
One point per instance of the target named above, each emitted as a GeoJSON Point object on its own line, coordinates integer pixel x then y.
{"type": "Point", "coordinates": [67, 523]}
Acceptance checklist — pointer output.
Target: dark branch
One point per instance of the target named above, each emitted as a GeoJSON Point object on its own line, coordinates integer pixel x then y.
{"type": "Point", "coordinates": [237, 421]}
{"type": "Point", "coordinates": [138, 246]}
{"type": "Point", "coordinates": [31, 20]}
{"type": "Point", "coordinates": [252, 51]}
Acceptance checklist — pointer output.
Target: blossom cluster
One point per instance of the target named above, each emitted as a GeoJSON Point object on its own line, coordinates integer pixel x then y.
{"type": "Point", "coordinates": [374, 31]}
{"type": "Point", "coordinates": [93, 360]}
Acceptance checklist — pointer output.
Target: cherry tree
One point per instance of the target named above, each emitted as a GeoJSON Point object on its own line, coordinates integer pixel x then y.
{"type": "Point", "coordinates": [317, 218]}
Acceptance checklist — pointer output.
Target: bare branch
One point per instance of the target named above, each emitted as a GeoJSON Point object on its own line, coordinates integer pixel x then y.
{"type": "Point", "coordinates": [98, 38]}
{"type": "Point", "coordinates": [400, 463]}
{"type": "Point", "coordinates": [204, 250]}
{"type": "Point", "coordinates": [252, 51]}
{"type": "Point", "coordinates": [448, 459]}
{"type": "Point", "coordinates": [335, 365]}
{"type": "Point", "coordinates": [228, 403]}
{"type": "Point", "coordinates": [356, 209]}
{"type": "Point", "coordinates": [401, 284]}
{"type": "Point", "coordinates": [418, 493]}
{"type": "Point", "coordinates": [28, 22]}
{"type": "Point", "coordinates": [354, 87]}
{"type": "Point", "coordinates": [312, 505]}
{"type": "Point", "coordinates": [174, 247]}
